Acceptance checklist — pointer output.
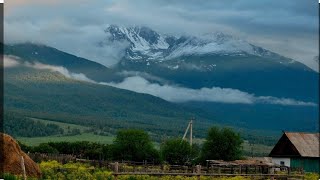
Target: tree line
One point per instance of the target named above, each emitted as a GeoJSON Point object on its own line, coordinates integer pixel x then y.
{"type": "Point", "coordinates": [20, 126]}
{"type": "Point", "coordinates": [24, 127]}
{"type": "Point", "coordinates": [136, 145]}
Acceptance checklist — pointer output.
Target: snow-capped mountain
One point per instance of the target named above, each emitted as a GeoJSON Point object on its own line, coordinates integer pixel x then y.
{"type": "Point", "coordinates": [146, 44]}
{"type": "Point", "coordinates": [210, 60]}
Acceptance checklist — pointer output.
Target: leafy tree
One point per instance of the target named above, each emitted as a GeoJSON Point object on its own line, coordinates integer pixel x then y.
{"type": "Point", "coordinates": [176, 151]}
{"type": "Point", "coordinates": [134, 145]}
{"type": "Point", "coordinates": [222, 144]}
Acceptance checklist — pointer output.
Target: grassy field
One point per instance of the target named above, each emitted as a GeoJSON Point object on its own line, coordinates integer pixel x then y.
{"type": "Point", "coordinates": [33, 141]}
{"type": "Point", "coordinates": [84, 136]}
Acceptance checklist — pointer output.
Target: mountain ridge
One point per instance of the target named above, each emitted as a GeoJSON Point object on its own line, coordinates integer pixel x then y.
{"type": "Point", "coordinates": [149, 45]}
{"type": "Point", "coordinates": [44, 54]}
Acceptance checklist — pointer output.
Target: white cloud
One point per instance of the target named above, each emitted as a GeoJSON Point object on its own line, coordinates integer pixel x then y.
{"type": "Point", "coordinates": [59, 69]}
{"type": "Point", "coordinates": [144, 75]}
{"type": "Point", "coordinates": [181, 94]}
{"type": "Point", "coordinates": [10, 61]}
{"type": "Point", "coordinates": [215, 94]}
{"type": "Point", "coordinates": [81, 41]}
{"type": "Point", "coordinates": [282, 101]}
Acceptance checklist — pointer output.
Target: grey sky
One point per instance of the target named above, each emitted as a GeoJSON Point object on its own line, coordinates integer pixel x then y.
{"type": "Point", "coordinates": [288, 27]}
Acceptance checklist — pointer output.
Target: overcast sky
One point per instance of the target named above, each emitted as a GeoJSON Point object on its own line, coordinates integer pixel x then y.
{"type": "Point", "coordinates": [288, 27]}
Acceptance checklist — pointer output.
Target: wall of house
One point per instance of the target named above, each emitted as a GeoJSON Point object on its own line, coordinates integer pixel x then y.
{"type": "Point", "coordinates": [278, 160]}
{"type": "Point", "coordinates": [308, 164]}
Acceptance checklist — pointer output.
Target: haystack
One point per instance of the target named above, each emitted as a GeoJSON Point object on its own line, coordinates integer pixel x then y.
{"type": "Point", "coordinates": [13, 157]}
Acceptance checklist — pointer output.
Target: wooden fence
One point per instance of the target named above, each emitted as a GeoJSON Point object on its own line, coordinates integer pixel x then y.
{"type": "Point", "coordinates": [151, 169]}
{"type": "Point", "coordinates": [198, 171]}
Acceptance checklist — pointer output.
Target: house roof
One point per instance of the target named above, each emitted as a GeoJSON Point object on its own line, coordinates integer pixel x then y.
{"type": "Point", "coordinates": [297, 144]}
{"type": "Point", "coordinates": [307, 144]}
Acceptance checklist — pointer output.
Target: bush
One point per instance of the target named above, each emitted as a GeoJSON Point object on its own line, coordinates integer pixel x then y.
{"type": "Point", "coordinates": [10, 177]}
{"type": "Point", "coordinates": [55, 170]}
{"type": "Point", "coordinates": [311, 176]}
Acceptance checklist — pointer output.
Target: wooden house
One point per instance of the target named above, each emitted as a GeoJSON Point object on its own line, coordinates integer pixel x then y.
{"type": "Point", "coordinates": [297, 150]}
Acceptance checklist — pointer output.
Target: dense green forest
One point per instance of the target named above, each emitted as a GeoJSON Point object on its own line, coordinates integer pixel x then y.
{"type": "Point", "coordinates": [49, 95]}
{"type": "Point", "coordinates": [22, 126]}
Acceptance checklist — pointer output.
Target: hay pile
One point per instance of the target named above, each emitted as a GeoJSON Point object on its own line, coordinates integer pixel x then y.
{"type": "Point", "coordinates": [12, 158]}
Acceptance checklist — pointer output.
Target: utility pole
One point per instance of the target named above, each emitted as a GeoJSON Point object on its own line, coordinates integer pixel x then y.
{"type": "Point", "coordinates": [191, 132]}
{"type": "Point", "coordinates": [185, 133]}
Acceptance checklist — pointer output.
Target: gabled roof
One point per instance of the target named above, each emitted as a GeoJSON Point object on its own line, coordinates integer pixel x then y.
{"type": "Point", "coordinates": [297, 144]}
{"type": "Point", "coordinates": [306, 143]}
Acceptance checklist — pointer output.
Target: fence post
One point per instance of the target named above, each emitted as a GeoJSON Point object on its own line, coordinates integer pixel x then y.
{"type": "Point", "coordinates": [272, 177]}
{"type": "Point", "coordinates": [198, 171]}
{"type": "Point", "coordinates": [116, 167]}
{"type": "Point", "coordinates": [116, 170]}
{"type": "Point", "coordinates": [23, 168]}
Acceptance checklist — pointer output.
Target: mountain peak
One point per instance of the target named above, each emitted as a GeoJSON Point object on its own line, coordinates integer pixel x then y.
{"type": "Point", "coordinates": [143, 40]}
{"type": "Point", "coordinates": [147, 44]}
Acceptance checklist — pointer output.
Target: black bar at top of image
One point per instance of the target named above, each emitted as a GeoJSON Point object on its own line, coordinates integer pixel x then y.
{"type": "Point", "coordinates": [1, 90]}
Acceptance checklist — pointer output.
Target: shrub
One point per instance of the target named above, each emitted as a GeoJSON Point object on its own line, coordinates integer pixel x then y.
{"type": "Point", "coordinates": [311, 176]}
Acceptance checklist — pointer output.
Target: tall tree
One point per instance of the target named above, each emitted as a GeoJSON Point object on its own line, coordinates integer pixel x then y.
{"type": "Point", "coordinates": [134, 145]}
{"type": "Point", "coordinates": [176, 151]}
{"type": "Point", "coordinates": [222, 144]}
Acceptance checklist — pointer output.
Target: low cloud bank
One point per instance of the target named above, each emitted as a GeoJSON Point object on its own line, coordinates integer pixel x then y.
{"type": "Point", "coordinates": [170, 93]}
{"type": "Point", "coordinates": [12, 61]}
{"type": "Point", "coordinates": [61, 70]}
{"type": "Point", "coordinates": [214, 94]}
{"type": "Point", "coordinates": [143, 75]}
